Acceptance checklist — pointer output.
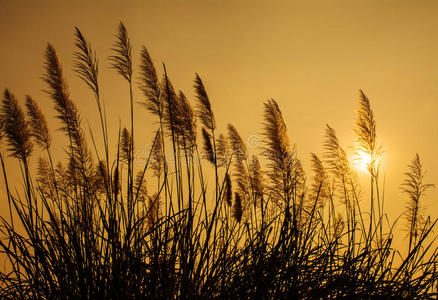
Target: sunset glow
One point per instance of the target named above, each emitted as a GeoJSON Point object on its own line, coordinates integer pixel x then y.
{"type": "Point", "coordinates": [363, 161]}
{"type": "Point", "coordinates": [218, 149]}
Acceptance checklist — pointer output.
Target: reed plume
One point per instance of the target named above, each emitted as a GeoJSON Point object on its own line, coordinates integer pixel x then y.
{"type": "Point", "coordinates": [103, 171]}
{"type": "Point", "coordinates": [204, 111]}
{"type": "Point", "coordinates": [125, 146]}
{"type": "Point", "coordinates": [280, 156]}
{"type": "Point", "coordinates": [44, 179]}
{"type": "Point", "coordinates": [334, 155]}
{"type": "Point", "coordinates": [337, 163]}
{"type": "Point", "coordinates": [60, 175]}
{"type": "Point", "coordinates": [365, 131]}
{"type": "Point", "coordinates": [256, 175]}
{"type": "Point", "coordinates": [86, 63]}
{"type": "Point", "coordinates": [207, 146]}
{"type": "Point", "coordinates": [238, 147]}
{"type": "Point", "coordinates": [101, 177]}
{"type": "Point", "coordinates": [222, 151]}
{"type": "Point", "coordinates": [141, 186]}
{"type": "Point", "coordinates": [149, 84]}
{"type": "Point", "coordinates": [299, 179]}
{"type": "Point", "coordinates": [86, 66]}
{"type": "Point", "coordinates": [242, 179]}
{"type": "Point", "coordinates": [237, 208]}
{"type": "Point", "coordinates": [179, 117]}
{"type": "Point", "coordinates": [122, 60]}
{"type": "Point", "coordinates": [415, 188]}
{"type": "Point", "coordinates": [116, 181]}
{"type": "Point", "coordinates": [187, 121]}
{"type": "Point", "coordinates": [320, 187]}
{"type": "Point", "coordinates": [67, 110]}
{"type": "Point", "coordinates": [368, 152]}
{"type": "Point", "coordinates": [169, 99]}
{"type": "Point", "coordinates": [16, 128]}
{"type": "Point", "coordinates": [38, 124]}
{"type": "Point", "coordinates": [205, 114]}
{"type": "Point", "coordinates": [122, 63]}
{"type": "Point", "coordinates": [64, 182]}
{"type": "Point", "coordinates": [58, 89]}
{"type": "Point", "coordinates": [157, 156]}
{"type": "Point", "coordinates": [177, 113]}
{"type": "Point", "coordinates": [240, 155]}
{"type": "Point", "coordinates": [228, 194]}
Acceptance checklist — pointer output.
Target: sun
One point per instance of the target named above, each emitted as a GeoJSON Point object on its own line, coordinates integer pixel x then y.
{"type": "Point", "coordinates": [364, 161]}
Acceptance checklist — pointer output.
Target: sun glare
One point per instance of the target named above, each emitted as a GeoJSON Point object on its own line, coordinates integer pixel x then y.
{"type": "Point", "coordinates": [364, 161]}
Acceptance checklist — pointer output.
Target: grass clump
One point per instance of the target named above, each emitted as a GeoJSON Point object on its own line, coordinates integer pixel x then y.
{"type": "Point", "coordinates": [94, 230]}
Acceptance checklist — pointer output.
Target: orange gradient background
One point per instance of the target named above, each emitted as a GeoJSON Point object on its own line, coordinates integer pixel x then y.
{"type": "Point", "coordinates": [312, 57]}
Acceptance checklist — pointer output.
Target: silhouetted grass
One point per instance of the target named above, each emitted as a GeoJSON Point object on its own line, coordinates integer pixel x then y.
{"type": "Point", "coordinates": [87, 230]}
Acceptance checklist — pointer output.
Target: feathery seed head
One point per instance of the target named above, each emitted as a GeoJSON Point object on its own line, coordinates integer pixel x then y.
{"type": "Point", "coordinates": [208, 147]}
{"type": "Point", "coordinates": [204, 111]}
{"type": "Point", "coordinates": [149, 84]}
{"type": "Point", "coordinates": [238, 147]}
{"type": "Point", "coordinates": [237, 208]}
{"type": "Point", "coordinates": [38, 123]}
{"type": "Point", "coordinates": [86, 63]}
{"type": "Point", "coordinates": [222, 151]}
{"type": "Point", "coordinates": [368, 153]}
{"type": "Point", "coordinates": [122, 59]}
{"type": "Point", "coordinates": [228, 194]}
{"type": "Point", "coordinates": [16, 128]}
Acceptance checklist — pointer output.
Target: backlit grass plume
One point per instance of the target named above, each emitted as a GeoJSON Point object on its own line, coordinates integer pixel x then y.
{"type": "Point", "coordinates": [187, 121]}
{"type": "Point", "coordinates": [368, 152]}
{"type": "Point", "coordinates": [240, 156]}
{"type": "Point", "coordinates": [44, 179]}
{"type": "Point", "coordinates": [179, 118]}
{"type": "Point", "coordinates": [125, 146]}
{"type": "Point", "coordinates": [122, 59]}
{"type": "Point", "coordinates": [58, 89]}
{"type": "Point", "coordinates": [38, 124]}
{"type": "Point", "coordinates": [86, 66]}
{"type": "Point", "coordinates": [16, 128]}
{"type": "Point", "coordinates": [415, 188]}
{"type": "Point", "coordinates": [204, 111]}
{"type": "Point", "coordinates": [237, 208]}
{"type": "Point", "coordinates": [86, 63]}
{"type": "Point", "coordinates": [257, 180]}
{"type": "Point", "coordinates": [66, 109]}
{"type": "Point", "coordinates": [238, 147]}
{"type": "Point", "coordinates": [334, 155]}
{"type": "Point", "coordinates": [228, 194]}
{"type": "Point", "coordinates": [157, 156]}
{"type": "Point", "coordinates": [207, 146]}
{"type": "Point", "coordinates": [222, 150]}
{"type": "Point", "coordinates": [337, 164]}
{"type": "Point", "coordinates": [278, 152]}
{"type": "Point", "coordinates": [320, 188]}
{"type": "Point", "coordinates": [149, 84]}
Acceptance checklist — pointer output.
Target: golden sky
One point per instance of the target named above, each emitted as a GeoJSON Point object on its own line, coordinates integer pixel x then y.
{"type": "Point", "coordinates": [310, 56]}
